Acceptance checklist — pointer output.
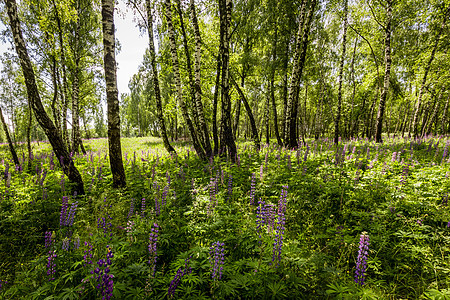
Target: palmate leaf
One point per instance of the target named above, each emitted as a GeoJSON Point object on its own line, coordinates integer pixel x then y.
{"type": "Point", "coordinates": [338, 290]}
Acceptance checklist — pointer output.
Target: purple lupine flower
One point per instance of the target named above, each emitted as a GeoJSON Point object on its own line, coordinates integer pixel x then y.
{"type": "Point", "coordinates": [87, 254]}
{"type": "Point", "coordinates": [177, 279]}
{"type": "Point", "coordinates": [152, 250]}
{"type": "Point", "coordinates": [252, 189]}
{"type": "Point", "coordinates": [157, 206]}
{"type": "Point", "coordinates": [76, 243]}
{"type": "Point", "coordinates": [259, 217]}
{"type": "Point", "coordinates": [143, 208]}
{"type": "Point", "coordinates": [63, 214]}
{"type": "Point", "coordinates": [306, 153]}
{"type": "Point", "coordinates": [448, 224]}
{"type": "Point", "coordinates": [280, 223]}
{"type": "Point", "coordinates": [131, 211]}
{"type": "Point", "coordinates": [71, 214]}
{"type": "Point", "coordinates": [105, 280]}
{"type": "Point", "coordinates": [48, 239]}
{"type": "Point", "coordinates": [361, 262]}
{"type": "Point", "coordinates": [104, 220]}
{"type": "Point", "coordinates": [51, 265]}
{"type": "Point", "coordinates": [164, 195]}
{"type": "Point", "coordinates": [405, 172]}
{"type": "Point", "coordinates": [230, 186]}
{"type": "Point", "coordinates": [216, 259]}
{"type": "Point", "coordinates": [65, 244]}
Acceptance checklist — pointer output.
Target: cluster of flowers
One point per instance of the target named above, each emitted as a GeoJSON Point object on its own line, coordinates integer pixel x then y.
{"type": "Point", "coordinates": [216, 259]}
{"type": "Point", "coordinates": [88, 254]}
{"type": "Point", "coordinates": [177, 279]}
{"type": "Point", "coordinates": [152, 250]}
{"type": "Point", "coordinates": [361, 262]}
{"type": "Point", "coordinates": [281, 221]}
{"type": "Point", "coordinates": [252, 189]}
{"type": "Point", "coordinates": [104, 222]}
{"type": "Point", "coordinates": [51, 265]}
{"type": "Point", "coordinates": [67, 216]}
{"type": "Point", "coordinates": [105, 280]}
{"type": "Point", "coordinates": [48, 239]}
{"type": "Point", "coordinates": [265, 215]}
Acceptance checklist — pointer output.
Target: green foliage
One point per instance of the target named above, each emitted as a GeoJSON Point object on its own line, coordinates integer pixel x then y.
{"type": "Point", "coordinates": [332, 198]}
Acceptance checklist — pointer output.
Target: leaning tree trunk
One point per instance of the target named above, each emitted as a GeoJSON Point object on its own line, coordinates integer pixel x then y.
{"type": "Point", "coordinates": [198, 87]}
{"type": "Point", "coordinates": [152, 52]}
{"type": "Point", "coordinates": [29, 125]}
{"type": "Point", "coordinates": [112, 97]}
{"type": "Point", "coordinates": [226, 138]}
{"type": "Point", "coordinates": [337, 120]}
{"type": "Point", "coordinates": [8, 138]}
{"type": "Point", "coordinates": [177, 78]}
{"type": "Point", "coordinates": [387, 73]}
{"type": "Point", "coordinates": [427, 125]}
{"type": "Point", "coordinates": [254, 129]}
{"type": "Point", "coordinates": [415, 123]}
{"type": "Point", "coordinates": [43, 119]}
{"type": "Point", "coordinates": [54, 105]}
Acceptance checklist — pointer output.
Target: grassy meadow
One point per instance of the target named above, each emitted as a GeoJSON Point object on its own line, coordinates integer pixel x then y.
{"type": "Point", "coordinates": [357, 221]}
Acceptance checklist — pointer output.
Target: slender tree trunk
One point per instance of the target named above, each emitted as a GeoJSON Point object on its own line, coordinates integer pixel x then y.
{"type": "Point", "coordinates": [227, 139]}
{"type": "Point", "coordinates": [112, 97]}
{"type": "Point", "coordinates": [253, 127]}
{"type": "Point", "coordinates": [299, 61]}
{"type": "Point", "coordinates": [352, 107]}
{"type": "Point", "coordinates": [30, 123]}
{"type": "Point", "coordinates": [215, 101]}
{"type": "Point", "coordinates": [267, 119]}
{"type": "Point", "coordinates": [64, 94]}
{"type": "Point", "coordinates": [188, 67]}
{"type": "Point", "coordinates": [444, 116]}
{"type": "Point", "coordinates": [415, 123]}
{"type": "Point", "coordinates": [198, 87]}
{"type": "Point", "coordinates": [341, 71]}
{"type": "Point", "coordinates": [33, 96]}
{"type": "Point", "coordinates": [8, 138]}
{"type": "Point", "coordinates": [54, 105]}
{"type": "Point", "coordinates": [177, 78]}
{"type": "Point", "coordinates": [427, 125]}
{"type": "Point", "coordinates": [272, 86]}
{"type": "Point", "coordinates": [236, 118]}
{"type": "Point", "coordinates": [152, 52]}
{"type": "Point", "coordinates": [284, 91]}
{"type": "Point", "coordinates": [387, 73]}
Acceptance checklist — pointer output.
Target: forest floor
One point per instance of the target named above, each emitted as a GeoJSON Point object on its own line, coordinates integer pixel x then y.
{"type": "Point", "coordinates": [357, 221]}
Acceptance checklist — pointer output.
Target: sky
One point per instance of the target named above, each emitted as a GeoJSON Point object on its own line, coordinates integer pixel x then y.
{"type": "Point", "coordinates": [133, 46]}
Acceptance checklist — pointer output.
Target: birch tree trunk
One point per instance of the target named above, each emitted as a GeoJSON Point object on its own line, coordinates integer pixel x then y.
{"type": "Point", "coordinates": [299, 61]}
{"type": "Point", "coordinates": [341, 71]}
{"type": "Point", "coordinates": [112, 97]}
{"type": "Point", "coordinates": [177, 78]}
{"type": "Point", "coordinates": [43, 119]}
{"type": "Point", "coordinates": [387, 73]}
{"type": "Point", "coordinates": [198, 87]}
{"type": "Point", "coordinates": [8, 138]}
{"type": "Point", "coordinates": [227, 140]}
{"type": "Point", "coordinates": [272, 86]}
{"type": "Point", "coordinates": [152, 52]}
{"type": "Point", "coordinates": [444, 116]}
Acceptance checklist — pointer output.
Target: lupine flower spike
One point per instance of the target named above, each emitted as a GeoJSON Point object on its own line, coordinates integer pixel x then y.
{"type": "Point", "coordinates": [361, 262]}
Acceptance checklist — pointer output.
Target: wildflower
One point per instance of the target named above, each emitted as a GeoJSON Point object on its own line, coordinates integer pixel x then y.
{"type": "Point", "coordinates": [65, 244]}
{"type": "Point", "coordinates": [88, 254]}
{"type": "Point", "coordinates": [361, 263]}
{"type": "Point", "coordinates": [71, 214]}
{"type": "Point", "coordinates": [216, 259]}
{"type": "Point", "coordinates": [76, 243]}
{"type": "Point", "coordinates": [252, 189]}
{"type": "Point", "coordinates": [63, 214]}
{"type": "Point", "coordinates": [177, 279]}
{"type": "Point", "coordinates": [48, 239]}
{"type": "Point", "coordinates": [143, 208]}
{"type": "Point", "coordinates": [153, 254]}
{"type": "Point", "coordinates": [212, 195]}
{"type": "Point", "coordinates": [131, 211]}
{"type": "Point", "coordinates": [105, 280]}
{"type": "Point", "coordinates": [51, 266]}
